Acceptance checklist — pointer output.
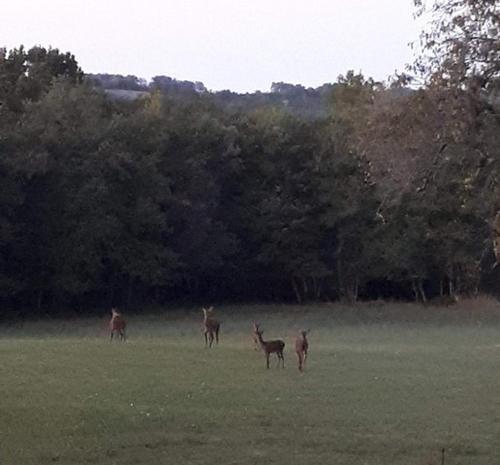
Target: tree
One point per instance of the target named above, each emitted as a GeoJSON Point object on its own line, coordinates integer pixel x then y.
{"type": "Point", "coordinates": [461, 46]}
{"type": "Point", "coordinates": [26, 75]}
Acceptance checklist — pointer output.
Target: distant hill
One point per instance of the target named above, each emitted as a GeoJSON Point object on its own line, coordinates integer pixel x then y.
{"type": "Point", "coordinates": [308, 103]}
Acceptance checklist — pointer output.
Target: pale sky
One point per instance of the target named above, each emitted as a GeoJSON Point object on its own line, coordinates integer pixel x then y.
{"type": "Point", "coordinates": [226, 44]}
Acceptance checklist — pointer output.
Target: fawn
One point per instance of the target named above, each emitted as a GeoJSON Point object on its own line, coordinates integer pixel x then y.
{"type": "Point", "coordinates": [117, 325]}
{"type": "Point", "coordinates": [301, 347]}
{"type": "Point", "coordinates": [271, 347]}
{"type": "Point", "coordinates": [211, 327]}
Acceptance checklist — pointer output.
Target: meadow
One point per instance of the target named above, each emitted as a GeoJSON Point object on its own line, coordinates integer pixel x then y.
{"type": "Point", "coordinates": [385, 384]}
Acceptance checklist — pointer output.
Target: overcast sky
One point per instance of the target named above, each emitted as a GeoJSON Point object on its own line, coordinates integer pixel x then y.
{"type": "Point", "coordinates": [227, 44]}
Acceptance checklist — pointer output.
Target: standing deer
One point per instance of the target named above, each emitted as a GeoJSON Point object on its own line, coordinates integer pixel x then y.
{"type": "Point", "coordinates": [211, 327]}
{"type": "Point", "coordinates": [117, 325]}
{"type": "Point", "coordinates": [271, 347]}
{"type": "Point", "coordinates": [301, 347]}
{"type": "Point", "coordinates": [255, 338]}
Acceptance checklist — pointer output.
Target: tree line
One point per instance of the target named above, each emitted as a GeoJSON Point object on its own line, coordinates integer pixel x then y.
{"type": "Point", "coordinates": [306, 103]}
{"type": "Point", "coordinates": [391, 194]}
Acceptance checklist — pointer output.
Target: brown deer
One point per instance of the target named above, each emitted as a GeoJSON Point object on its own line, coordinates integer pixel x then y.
{"type": "Point", "coordinates": [271, 347]}
{"type": "Point", "coordinates": [301, 348]}
{"type": "Point", "coordinates": [255, 338]}
{"type": "Point", "coordinates": [211, 327]}
{"type": "Point", "coordinates": [117, 325]}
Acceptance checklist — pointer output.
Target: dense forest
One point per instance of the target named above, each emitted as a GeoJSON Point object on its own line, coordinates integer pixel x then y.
{"type": "Point", "coordinates": [355, 190]}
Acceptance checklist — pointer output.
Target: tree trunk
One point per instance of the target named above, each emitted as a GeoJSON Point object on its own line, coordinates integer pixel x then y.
{"type": "Point", "coordinates": [415, 291]}
{"type": "Point", "coordinates": [318, 284]}
{"type": "Point", "coordinates": [340, 277]}
{"type": "Point", "coordinates": [39, 299]}
{"type": "Point", "coordinates": [451, 288]}
{"type": "Point", "coordinates": [422, 292]}
{"type": "Point", "coordinates": [477, 283]}
{"type": "Point", "coordinates": [296, 291]}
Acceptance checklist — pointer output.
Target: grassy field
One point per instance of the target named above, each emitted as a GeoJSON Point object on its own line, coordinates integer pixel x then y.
{"type": "Point", "coordinates": [385, 385]}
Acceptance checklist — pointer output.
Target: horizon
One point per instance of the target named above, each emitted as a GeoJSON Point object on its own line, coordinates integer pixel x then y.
{"type": "Point", "coordinates": [226, 45]}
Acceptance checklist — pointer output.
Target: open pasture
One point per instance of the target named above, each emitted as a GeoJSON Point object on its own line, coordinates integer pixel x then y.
{"type": "Point", "coordinates": [383, 385]}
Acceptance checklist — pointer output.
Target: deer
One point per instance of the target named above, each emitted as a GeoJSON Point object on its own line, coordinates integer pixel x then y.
{"type": "Point", "coordinates": [211, 327]}
{"type": "Point", "coordinates": [117, 325]}
{"type": "Point", "coordinates": [271, 347]}
{"type": "Point", "coordinates": [255, 338]}
{"type": "Point", "coordinates": [301, 348]}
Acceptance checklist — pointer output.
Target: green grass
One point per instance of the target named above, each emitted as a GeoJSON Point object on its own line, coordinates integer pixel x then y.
{"type": "Point", "coordinates": [384, 385]}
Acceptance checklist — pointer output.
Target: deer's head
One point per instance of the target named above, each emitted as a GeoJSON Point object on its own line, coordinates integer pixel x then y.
{"type": "Point", "coordinates": [208, 312]}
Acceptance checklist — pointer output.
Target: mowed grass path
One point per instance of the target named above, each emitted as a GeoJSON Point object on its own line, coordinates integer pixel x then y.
{"type": "Point", "coordinates": [374, 392]}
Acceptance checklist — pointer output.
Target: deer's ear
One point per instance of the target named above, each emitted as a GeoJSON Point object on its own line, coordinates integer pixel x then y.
{"type": "Point", "coordinates": [211, 309]}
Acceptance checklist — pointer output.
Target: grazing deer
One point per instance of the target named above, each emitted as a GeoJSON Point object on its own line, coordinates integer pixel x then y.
{"type": "Point", "coordinates": [211, 327]}
{"type": "Point", "coordinates": [271, 347]}
{"type": "Point", "coordinates": [301, 347]}
{"type": "Point", "coordinates": [117, 325]}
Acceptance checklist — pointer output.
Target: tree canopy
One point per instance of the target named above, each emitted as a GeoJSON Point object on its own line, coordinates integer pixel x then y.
{"type": "Point", "coordinates": [390, 192]}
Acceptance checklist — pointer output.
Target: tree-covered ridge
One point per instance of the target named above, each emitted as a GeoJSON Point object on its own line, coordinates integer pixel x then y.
{"type": "Point", "coordinates": [391, 193]}
{"type": "Point", "coordinates": [307, 103]}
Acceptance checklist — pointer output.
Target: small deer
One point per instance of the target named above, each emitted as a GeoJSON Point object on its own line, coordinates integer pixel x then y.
{"type": "Point", "coordinates": [271, 347]}
{"type": "Point", "coordinates": [301, 348]}
{"type": "Point", "coordinates": [117, 325]}
{"type": "Point", "coordinates": [255, 338]}
{"type": "Point", "coordinates": [211, 327]}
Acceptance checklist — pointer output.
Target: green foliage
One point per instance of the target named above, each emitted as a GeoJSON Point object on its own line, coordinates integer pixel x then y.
{"type": "Point", "coordinates": [171, 197]}
{"type": "Point", "coordinates": [26, 75]}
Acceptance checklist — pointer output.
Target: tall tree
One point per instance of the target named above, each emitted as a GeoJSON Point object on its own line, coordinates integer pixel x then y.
{"type": "Point", "coordinates": [461, 45]}
{"type": "Point", "coordinates": [26, 74]}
